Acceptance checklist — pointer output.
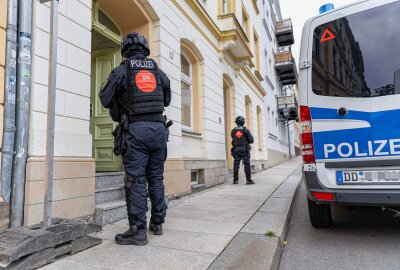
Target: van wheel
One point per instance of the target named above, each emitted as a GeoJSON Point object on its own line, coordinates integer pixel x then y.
{"type": "Point", "coordinates": [320, 214]}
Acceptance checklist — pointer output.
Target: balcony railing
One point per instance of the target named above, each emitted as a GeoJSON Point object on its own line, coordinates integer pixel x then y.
{"type": "Point", "coordinates": [285, 67]}
{"type": "Point", "coordinates": [284, 32]}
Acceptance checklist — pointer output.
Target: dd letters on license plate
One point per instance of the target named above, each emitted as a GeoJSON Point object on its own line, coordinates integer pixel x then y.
{"type": "Point", "coordinates": [349, 177]}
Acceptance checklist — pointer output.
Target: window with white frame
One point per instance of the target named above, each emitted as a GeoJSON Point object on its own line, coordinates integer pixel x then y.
{"type": "Point", "coordinates": [224, 7]}
{"type": "Point", "coordinates": [186, 92]}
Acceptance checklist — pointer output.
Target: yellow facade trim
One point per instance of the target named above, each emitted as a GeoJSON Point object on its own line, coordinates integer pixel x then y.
{"type": "Point", "coordinates": [246, 18]}
{"type": "Point", "coordinates": [256, 6]}
{"type": "Point", "coordinates": [258, 75]}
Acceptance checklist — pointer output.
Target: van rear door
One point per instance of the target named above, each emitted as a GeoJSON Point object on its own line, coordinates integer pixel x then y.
{"type": "Point", "coordinates": [354, 98]}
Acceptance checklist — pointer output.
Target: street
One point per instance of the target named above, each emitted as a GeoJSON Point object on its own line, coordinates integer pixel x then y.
{"type": "Point", "coordinates": [361, 238]}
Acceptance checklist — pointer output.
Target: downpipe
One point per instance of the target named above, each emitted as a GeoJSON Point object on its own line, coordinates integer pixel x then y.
{"type": "Point", "coordinates": [22, 112]}
{"type": "Point", "coordinates": [9, 100]}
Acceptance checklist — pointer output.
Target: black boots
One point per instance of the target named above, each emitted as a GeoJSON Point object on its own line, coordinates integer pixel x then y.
{"type": "Point", "coordinates": [136, 237]}
{"type": "Point", "coordinates": [156, 229]}
{"type": "Point", "coordinates": [248, 182]}
{"type": "Point", "coordinates": [132, 237]}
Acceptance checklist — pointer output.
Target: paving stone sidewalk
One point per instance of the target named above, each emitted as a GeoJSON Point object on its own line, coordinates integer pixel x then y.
{"type": "Point", "coordinates": [219, 228]}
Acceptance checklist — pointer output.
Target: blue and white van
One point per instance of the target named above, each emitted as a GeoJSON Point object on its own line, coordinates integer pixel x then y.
{"type": "Point", "coordinates": [349, 95]}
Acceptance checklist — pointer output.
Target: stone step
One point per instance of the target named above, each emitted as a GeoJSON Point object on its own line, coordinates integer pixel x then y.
{"type": "Point", "coordinates": [109, 212]}
{"type": "Point", "coordinates": [109, 194]}
{"type": "Point", "coordinates": [105, 180]}
{"type": "Point", "coordinates": [198, 186]}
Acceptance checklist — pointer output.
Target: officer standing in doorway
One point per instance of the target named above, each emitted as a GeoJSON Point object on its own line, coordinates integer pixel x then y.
{"type": "Point", "coordinates": [136, 93]}
{"type": "Point", "coordinates": [241, 140]}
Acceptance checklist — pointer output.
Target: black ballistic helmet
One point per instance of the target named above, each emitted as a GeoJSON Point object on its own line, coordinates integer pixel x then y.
{"type": "Point", "coordinates": [133, 40]}
{"type": "Point", "coordinates": [240, 120]}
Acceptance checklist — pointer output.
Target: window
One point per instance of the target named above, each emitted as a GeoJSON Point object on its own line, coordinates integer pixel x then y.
{"type": "Point", "coordinates": [266, 62]}
{"type": "Point", "coordinates": [224, 7]}
{"type": "Point", "coordinates": [363, 59]}
{"type": "Point", "coordinates": [259, 127]}
{"type": "Point", "coordinates": [317, 46]}
{"type": "Point", "coordinates": [245, 22]}
{"type": "Point", "coordinates": [257, 51]}
{"type": "Point", "coordinates": [186, 91]}
{"type": "Point", "coordinates": [191, 72]}
{"type": "Point", "coordinates": [248, 112]}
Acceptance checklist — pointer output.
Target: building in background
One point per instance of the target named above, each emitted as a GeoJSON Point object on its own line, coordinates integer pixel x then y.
{"type": "Point", "coordinates": [211, 51]}
{"type": "Point", "coordinates": [279, 78]}
{"type": "Point", "coordinates": [223, 58]}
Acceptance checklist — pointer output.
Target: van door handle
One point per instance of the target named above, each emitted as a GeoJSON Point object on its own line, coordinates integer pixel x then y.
{"type": "Point", "coordinates": [342, 112]}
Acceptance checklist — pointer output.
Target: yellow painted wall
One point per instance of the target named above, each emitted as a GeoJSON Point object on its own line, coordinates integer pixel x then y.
{"type": "Point", "coordinates": [3, 22]}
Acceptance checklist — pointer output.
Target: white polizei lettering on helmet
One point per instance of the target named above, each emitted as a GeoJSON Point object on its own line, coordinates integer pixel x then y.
{"type": "Point", "coordinates": [370, 149]}
{"type": "Point", "coordinates": [329, 148]}
{"type": "Point", "coordinates": [394, 146]}
{"type": "Point", "coordinates": [349, 148]}
{"type": "Point", "coordinates": [357, 151]}
{"type": "Point", "coordinates": [382, 144]}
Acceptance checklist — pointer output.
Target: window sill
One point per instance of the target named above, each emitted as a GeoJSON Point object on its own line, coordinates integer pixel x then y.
{"type": "Point", "coordinates": [258, 75]}
{"type": "Point", "coordinates": [189, 133]}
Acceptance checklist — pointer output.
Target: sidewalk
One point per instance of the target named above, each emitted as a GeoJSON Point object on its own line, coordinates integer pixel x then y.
{"type": "Point", "coordinates": [220, 228]}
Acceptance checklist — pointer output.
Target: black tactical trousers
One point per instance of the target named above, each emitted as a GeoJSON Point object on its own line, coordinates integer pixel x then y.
{"type": "Point", "coordinates": [241, 153]}
{"type": "Point", "coordinates": [143, 159]}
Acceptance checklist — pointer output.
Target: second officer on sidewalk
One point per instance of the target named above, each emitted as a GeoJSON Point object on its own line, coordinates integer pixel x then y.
{"type": "Point", "coordinates": [136, 93]}
{"type": "Point", "coordinates": [241, 140]}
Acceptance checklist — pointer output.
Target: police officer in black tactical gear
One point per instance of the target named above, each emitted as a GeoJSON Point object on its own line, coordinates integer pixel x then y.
{"type": "Point", "coordinates": [136, 93]}
{"type": "Point", "coordinates": [241, 140]}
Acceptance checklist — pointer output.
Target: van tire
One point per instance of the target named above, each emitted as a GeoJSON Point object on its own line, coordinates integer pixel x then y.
{"type": "Point", "coordinates": [320, 214]}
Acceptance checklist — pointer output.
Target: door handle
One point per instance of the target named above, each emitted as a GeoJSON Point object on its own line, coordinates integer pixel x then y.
{"type": "Point", "coordinates": [342, 112]}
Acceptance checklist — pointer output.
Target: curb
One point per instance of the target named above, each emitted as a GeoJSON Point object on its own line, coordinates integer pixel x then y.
{"type": "Point", "coordinates": [276, 261]}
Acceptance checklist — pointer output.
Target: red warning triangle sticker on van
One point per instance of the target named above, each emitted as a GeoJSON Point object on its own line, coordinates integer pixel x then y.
{"type": "Point", "coordinates": [328, 35]}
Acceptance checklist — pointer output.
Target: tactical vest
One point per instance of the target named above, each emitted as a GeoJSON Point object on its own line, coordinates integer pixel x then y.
{"type": "Point", "coordinates": [239, 137]}
{"type": "Point", "coordinates": [143, 93]}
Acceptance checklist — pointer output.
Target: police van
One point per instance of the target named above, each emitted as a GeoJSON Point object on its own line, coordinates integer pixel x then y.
{"type": "Point", "coordinates": [349, 85]}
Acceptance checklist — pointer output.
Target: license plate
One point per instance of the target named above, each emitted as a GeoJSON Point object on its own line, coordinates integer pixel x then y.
{"type": "Point", "coordinates": [368, 177]}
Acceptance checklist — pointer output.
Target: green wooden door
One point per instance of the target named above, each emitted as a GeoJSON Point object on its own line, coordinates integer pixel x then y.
{"type": "Point", "coordinates": [101, 123]}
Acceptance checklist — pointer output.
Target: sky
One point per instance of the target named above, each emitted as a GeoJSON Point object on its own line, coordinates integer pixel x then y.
{"type": "Point", "coordinates": [300, 11]}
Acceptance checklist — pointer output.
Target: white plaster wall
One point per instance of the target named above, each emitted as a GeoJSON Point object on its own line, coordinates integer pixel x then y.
{"type": "Point", "coordinates": [277, 136]}
{"type": "Point", "coordinates": [72, 137]}
{"type": "Point", "coordinates": [173, 27]}
{"type": "Point", "coordinates": [73, 85]}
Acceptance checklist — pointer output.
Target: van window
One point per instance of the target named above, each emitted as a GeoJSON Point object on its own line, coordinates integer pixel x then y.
{"type": "Point", "coordinates": [358, 55]}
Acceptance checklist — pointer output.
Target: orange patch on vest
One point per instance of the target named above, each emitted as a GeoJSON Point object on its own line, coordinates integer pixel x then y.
{"type": "Point", "coordinates": [145, 81]}
{"type": "Point", "coordinates": [239, 134]}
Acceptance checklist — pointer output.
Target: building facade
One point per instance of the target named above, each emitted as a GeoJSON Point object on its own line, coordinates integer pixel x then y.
{"type": "Point", "coordinates": [212, 53]}
{"type": "Point", "coordinates": [275, 53]}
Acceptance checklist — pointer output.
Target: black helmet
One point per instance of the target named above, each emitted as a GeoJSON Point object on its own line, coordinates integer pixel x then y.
{"type": "Point", "coordinates": [134, 39]}
{"type": "Point", "coordinates": [240, 120]}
